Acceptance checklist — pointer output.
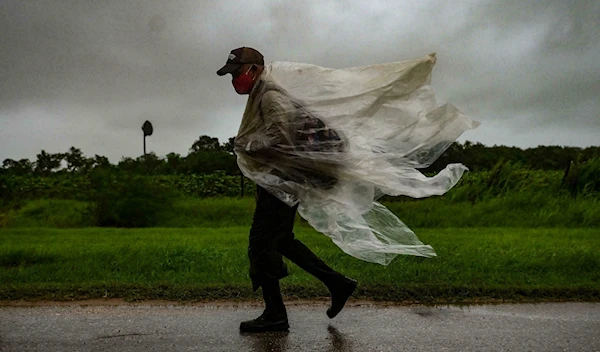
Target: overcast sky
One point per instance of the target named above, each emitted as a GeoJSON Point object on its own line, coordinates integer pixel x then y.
{"type": "Point", "coordinates": [88, 73]}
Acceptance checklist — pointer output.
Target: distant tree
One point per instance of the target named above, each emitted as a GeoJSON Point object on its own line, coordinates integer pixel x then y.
{"type": "Point", "coordinates": [47, 163]}
{"type": "Point", "coordinates": [174, 164]}
{"type": "Point", "coordinates": [129, 165]}
{"type": "Point", "coordinates": [99, 162]}
{"type": "Point", "coordinates": [150, 164]}
{"type": "Point", "coordinates": [590, 153]}
{"type": "Point", "coordinates": [229, 145]}
{"type": "Point", "coordinates": [206, 143]}
{"type": "Point", "coordinates": [75, 160]}
{"type": "Point", "coordinates": [547, 157]}
{"type": "Point", "coordinates": [20, 168]}
{"type": "Point", "coordinates": [207, 162]}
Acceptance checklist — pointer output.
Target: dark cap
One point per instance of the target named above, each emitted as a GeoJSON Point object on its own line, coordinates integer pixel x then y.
{"type": "Point", "coordinates": [241, 56]}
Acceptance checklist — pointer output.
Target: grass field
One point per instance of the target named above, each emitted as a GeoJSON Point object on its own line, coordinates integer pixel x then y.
{"type": "Point", "coordinates": [518, 209]}
{"type": "Point", "coordinates": [513, 264]}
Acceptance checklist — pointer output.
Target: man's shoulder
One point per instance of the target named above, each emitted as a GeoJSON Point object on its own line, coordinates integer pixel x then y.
{"type": "Point", "coordinates": [274, 93]}
{"type": "Point", "coordinates": [272, 87]}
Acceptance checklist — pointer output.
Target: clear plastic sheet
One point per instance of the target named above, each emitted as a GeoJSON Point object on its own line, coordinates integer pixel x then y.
{"type": "Point", "coordinates": [335, 141]}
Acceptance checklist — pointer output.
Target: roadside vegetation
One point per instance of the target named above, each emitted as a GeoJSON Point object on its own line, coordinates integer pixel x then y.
{"type": "Point", "coordinates": [523, 225]}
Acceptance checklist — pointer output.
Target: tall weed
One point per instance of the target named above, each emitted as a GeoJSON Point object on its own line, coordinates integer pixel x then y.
{"type": "Point", "coordinates": [584, 178]}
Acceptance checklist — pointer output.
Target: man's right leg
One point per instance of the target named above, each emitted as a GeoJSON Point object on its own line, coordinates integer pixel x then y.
{"type": "Point", "coordinates": [302, 256]}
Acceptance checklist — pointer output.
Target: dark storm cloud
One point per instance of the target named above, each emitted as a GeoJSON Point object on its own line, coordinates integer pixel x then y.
{"type": "Point", "coordinates": [88, 73]}
{"type": "Point", "coordinates": [103, 65]}
{"type": "Point", "coordinates": [93, 53]}
{"type": "Point", "coordinates": [544, 59]}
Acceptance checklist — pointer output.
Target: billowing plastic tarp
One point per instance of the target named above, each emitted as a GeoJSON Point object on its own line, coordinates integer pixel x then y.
{"type": "Point", "coordinates": [335, 141]}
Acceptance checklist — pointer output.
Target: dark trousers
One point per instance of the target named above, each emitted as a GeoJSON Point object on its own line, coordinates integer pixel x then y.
{"type": "Point", "coordinates": [272, 236]}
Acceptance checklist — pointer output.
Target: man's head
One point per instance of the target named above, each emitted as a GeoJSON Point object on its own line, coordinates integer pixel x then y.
{"type": "Point", "coordinates": [245, 65]}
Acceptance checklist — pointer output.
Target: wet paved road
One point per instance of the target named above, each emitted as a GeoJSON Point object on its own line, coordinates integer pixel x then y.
{"type": "Point", "coordinates": [524, 327]}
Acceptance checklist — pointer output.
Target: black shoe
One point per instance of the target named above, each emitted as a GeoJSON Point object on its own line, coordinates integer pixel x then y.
{"type": "Point", "coordinates": [339, 296]}
{"type": "Point", "coordinates": [265, 323]}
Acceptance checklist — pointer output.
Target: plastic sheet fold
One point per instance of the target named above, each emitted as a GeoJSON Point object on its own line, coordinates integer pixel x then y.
{"type": "Point", "coordinates": [337, 140]}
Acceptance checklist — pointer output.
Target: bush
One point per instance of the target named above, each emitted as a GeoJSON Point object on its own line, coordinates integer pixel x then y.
{"type": "Point", "coordinates": [56, 186]}
{"type": "Point", "coordinates": [125, 200]}
{"type": "Point", "coordinates": [56, 213]}
{"type": "Point", "coordinates": [211, 185]}
{"type": "Point", "coordinates": [583, 178]}
{"type": "Point", "coordinates": [504, 179]}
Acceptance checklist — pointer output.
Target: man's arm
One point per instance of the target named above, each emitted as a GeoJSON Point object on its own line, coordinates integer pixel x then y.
{"type": "Point", "coordinates": [278, 130]}
{"type": "Point", "coordinates": [279, 119]}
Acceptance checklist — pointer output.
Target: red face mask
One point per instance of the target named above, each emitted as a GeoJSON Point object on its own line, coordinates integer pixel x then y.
{"type": "Point", "coordinates": [243, 83]}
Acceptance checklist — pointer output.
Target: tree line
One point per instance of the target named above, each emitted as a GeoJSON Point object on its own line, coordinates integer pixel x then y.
{"type": "Point", "coordinates": [207, 155]}
{"type": "Point", "coordinates": [479, 157]}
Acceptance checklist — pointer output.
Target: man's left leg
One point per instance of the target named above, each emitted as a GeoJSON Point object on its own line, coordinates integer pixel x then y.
{"type": "Point", "coordinates": [272, 218]}
{"type": "Point", "coordinates": [274, 317]}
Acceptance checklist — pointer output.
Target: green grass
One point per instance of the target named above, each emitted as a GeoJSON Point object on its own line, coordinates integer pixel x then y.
{"type": "Point", "coordinates": [210, 263]}
{"type": "Point", "coordinates": [516, 209]}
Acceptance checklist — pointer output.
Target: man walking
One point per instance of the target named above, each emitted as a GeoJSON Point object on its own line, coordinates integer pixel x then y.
{"type": "Point", "coordinates": [265, 139]}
